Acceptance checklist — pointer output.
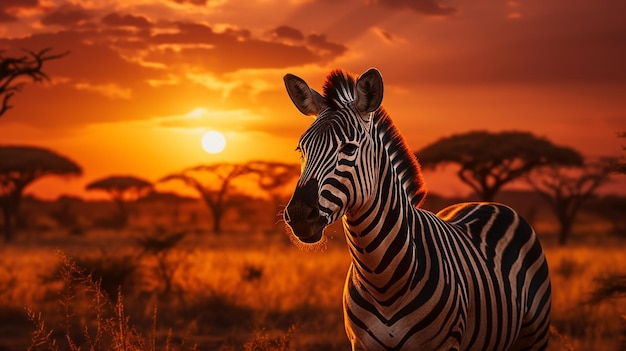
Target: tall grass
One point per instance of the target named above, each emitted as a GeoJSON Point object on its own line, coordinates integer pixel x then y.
{"type": "Point", "coordinates": [583, 322]}
{"type": "Point", "coordinates": [240, 292]}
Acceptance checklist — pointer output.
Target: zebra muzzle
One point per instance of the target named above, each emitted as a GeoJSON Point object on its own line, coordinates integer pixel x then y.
{"type": "Point", "coordinates": [302, 214]}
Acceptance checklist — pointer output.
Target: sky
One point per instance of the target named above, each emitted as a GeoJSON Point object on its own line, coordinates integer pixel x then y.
{"type": "Point", "coordinates": [144, 79]}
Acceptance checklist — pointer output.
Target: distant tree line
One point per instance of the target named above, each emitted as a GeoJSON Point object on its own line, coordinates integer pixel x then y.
{"type": "Point", "coordinates": [485, 161]}
{"type": "Point", "coordinates": [488, 161]}
{"type": "Point", "coordinates": [561, 175]}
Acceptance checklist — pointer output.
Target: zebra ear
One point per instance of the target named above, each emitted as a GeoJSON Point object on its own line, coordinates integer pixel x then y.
{"type": "Point", "coordinates": [307, 100]}
{"type": "Point", "coordinates": [369, 91]}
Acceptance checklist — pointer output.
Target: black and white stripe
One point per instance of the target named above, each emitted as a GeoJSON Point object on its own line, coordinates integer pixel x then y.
{"type": "Point", "coordinates": [472, 277]}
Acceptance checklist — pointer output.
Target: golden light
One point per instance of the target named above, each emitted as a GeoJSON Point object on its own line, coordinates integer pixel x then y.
{"type": "Point", "coordinates": [213, 142]}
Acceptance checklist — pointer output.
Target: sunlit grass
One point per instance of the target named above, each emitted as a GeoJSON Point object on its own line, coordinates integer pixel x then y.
{"type": "Point", "coordinates": [247, 291]}
{"type": "Point", "coordinates": [574, 274]}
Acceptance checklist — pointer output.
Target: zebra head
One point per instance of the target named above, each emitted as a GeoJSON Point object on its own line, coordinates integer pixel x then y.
{"type": "Point", "coordinates": [338, 152]}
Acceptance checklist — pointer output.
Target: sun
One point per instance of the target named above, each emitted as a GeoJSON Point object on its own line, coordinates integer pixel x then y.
{"type": "Point", "coordinates": [213, 142]}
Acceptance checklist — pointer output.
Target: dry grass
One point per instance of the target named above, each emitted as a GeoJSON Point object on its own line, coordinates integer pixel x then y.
{"type": "Point", "coordinates": [576, 274]}
{"type": "Point", "coordinates": [238, 291]}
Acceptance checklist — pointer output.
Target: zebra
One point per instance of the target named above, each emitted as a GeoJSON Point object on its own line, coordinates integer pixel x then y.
{"type": "Point", "coordinates": [471, 277]}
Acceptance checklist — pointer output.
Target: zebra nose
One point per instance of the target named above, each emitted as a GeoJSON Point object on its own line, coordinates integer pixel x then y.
{"type": "Point", "coordinates": [298, 212]}
{"type": "Point", "coordinates": [313, 215]}
{"type": "Point", "coordinates": [303, 207]}
{"type": "Point", "coordinates": [310, 214]}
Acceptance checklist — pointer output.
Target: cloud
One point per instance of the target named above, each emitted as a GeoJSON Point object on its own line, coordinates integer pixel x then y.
{"type": "Point", "coordinates": [9, 8]}
{"type": "Point", "coordinates": [326, 48]}
{"type": "Point", "coordinates": [66, 15]}
{"type": "Point", "coordinates": [426, 7]}
{"type": "Point", "coordinates": [134, 64]}
{"type": "Point", "coordinates": [192, 2]}
{"type": "Point", "coordinates": [213, 83]}
{"type": "Point", "coordinates": [386, 36]}
{"type": "Point", "coordinates": [234, 49]}
{"type": "Point", "coordinates": [201, 118]}
{"type": "Point", "coordinates": [235, 120]}
{"type": "Point", "coordinates": [118, 20]}
{"type": "Point", "coordinates": [286, 32]}
{"type": "Point", "coordinates": [112, 91]}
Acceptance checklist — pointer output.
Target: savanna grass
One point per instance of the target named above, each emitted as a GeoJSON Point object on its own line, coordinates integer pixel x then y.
{"type": "Point", "coordinates": [237, 292]}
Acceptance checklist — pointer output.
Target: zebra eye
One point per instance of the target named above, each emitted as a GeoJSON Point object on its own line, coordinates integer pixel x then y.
{"type": "Point", "coordinates": [349, 149]}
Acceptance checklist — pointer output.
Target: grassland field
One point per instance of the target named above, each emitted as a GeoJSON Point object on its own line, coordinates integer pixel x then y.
{"type": "Point", "coordinates": [248, 288]}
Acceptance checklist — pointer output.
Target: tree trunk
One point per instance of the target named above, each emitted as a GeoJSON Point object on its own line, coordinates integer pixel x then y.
{"type": "Point", "coordinates": [123, 214]}
{"type": "Point", "coordinates": [217, 220]}
{"type": "Point", "coordinates": [565, 230]}
{"type": "Point", "coordinates": [7, 215]}
{"type": "Point", "coordinates": [488, 194]}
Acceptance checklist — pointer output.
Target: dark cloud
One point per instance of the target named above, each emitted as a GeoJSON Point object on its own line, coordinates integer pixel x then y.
{"type": "Point", "coordinates": [427, 7]}
{"type": "Point", "coordinates": [91, 58]}
{"type": "Point", "coordinates": [286, 32]}
{"type": "Point", "coordinates": [192, 2]}
{"type": "Point", "coordinates": [234, 49]}
{"type": "Point", "coordinates": [115, 19]}
{"type": "Point", "coordinates": [560, 42]}
{"type": "Point", "coordinates": [240, 34]}
{"type": "Point", "coordinates": [6, 17]}
{"type": "Point", "coordinates": [319, 41]}
{"type": "Point", "coordinates": [7, 7]}
{"type": "Point", "coordinates": [105, 67]}
{"type": "Point", "coordinates": [67, 15]}
{"type": "Point", "coordinates": [232, 55]}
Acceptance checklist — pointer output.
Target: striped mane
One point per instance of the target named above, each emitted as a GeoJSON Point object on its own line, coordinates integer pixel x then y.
{"type": "Point", "coordinates": [339, 90]}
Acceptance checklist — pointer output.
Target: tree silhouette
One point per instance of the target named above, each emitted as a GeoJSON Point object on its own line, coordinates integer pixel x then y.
{"type": "Point", "coordinates": [487, 161]}
{"type": "Point", "coordinates": [620, 166]}
{"type": "Point", "coordinates": [160, 245]}
{"type": "Point", "coordinates": [213, 183]}
{"type": "Point", "coordinates": [611, 208]}
{"type": "Point", "coordinates": [566, 189]}
{"type": "Point", "coordinates": [122, 188]}
{"type": "Point", "coordinates": [275, 179]}
{"type": "Point", "coordinates": [19, 167]}
{"type": "Point", "coordinates": [12, 69]}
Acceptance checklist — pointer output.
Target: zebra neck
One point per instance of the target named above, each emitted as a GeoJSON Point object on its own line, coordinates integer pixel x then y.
{"type": "Point", "coordinates": [382, 242]}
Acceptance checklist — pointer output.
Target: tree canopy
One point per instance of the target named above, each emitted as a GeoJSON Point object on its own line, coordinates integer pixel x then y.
{"type": "Point", "coordinates": [34, 162]}
{"type": "Point", "coordinates": [121, 188]}
{"type": "Point", "coordinates": [274, 175]}
{"type": "Point", "coordinates": [213, 183]}
{"type": "Point", "coordinates": [19, 167]}
{"type": "Point", "coordinates": [566, 189]}
{"type": "Point", "coordinates": [487, 161]}
{"type": "Point", "coordinates": [277, 180]}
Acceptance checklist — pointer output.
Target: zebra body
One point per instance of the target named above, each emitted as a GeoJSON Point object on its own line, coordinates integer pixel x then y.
{"type": "Point", "coordinates": [472, 277]}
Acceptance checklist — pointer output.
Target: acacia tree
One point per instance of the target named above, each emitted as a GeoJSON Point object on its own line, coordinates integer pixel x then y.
{"type": "Point", "coordinates": [620, 166]}
{"type": "Point", "coordinates": [19, 167]}
{"type": "Point", "coordinates": [213, 183]}
{"type": "Point", "coordinates": [121, 188]}
{"type": "Point", "coordinates": [275, 178]}
{"type": "Point", "coordinates": [566, 189]}
{"type": "Point", "coordinates": [613, 207]}
{"type": "Point", "coordinates": [488, 161]}
{"type": "Point", "coordinates": [12, 69]}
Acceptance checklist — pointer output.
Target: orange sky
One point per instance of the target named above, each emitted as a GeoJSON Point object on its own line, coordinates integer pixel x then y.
{"type": "Point", "coordinates": [145, 78]}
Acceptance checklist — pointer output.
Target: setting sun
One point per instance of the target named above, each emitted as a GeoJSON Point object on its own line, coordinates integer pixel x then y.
{"type": "Point", "coordinates": [213, 142]}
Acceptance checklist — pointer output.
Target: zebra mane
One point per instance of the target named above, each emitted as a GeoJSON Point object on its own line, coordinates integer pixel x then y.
{"type": "Point", "coordinates": [339, 90]}
{"type": "Point", "coordinates": [402, 159]}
